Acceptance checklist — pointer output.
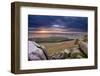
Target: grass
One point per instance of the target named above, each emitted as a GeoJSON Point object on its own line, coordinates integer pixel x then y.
{"type": "Point", "coordinates": [58, 47]}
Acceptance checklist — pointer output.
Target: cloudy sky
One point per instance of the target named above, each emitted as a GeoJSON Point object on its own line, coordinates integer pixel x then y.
{"type": "Point", "coordinates": [57, 24]}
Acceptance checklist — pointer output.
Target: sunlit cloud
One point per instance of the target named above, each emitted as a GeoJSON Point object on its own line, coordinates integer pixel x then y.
{"type": "Point", "coordinates": [58, 26]}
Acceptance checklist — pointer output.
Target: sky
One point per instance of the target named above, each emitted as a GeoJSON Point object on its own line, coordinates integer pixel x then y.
{"type": "Point", "coordinates": [57, 24]}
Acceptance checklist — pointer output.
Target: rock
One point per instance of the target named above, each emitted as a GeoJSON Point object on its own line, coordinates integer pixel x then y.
{"type": "Point", "coordinates": [83, 47]}
{"type": "Point", "coordinates": [76, 53]}
{"type": "Point", "coordinates": [34, 52]}
{"type": "Point", "coordinates": [67, 51]}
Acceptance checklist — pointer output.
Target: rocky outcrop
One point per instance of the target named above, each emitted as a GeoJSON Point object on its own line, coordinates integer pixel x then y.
{"type": "Point", "coordinates": [38, 52]}
{"type": "Point", "coordinates": [35, 52]}
{"type": "Point", "coordinates": [79, 51]}
{"type": "Point", "coordinates": [83, 47]}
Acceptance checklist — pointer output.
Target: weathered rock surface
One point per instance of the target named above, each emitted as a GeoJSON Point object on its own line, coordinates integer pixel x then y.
{"type": "Point", "coordinates": [34, 52]}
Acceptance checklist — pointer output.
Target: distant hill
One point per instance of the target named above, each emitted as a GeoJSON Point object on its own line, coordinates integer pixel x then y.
{"type": "Point", "coordinates": [49, 39]}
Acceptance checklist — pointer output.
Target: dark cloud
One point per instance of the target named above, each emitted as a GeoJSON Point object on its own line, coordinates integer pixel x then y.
{"type": "Point", "coordinates": [66, 22]}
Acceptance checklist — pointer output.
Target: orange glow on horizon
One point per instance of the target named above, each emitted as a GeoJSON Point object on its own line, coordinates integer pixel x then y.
{"type": "Point", "coordinates": [53, 30]}
{"type": "Point", "coordinates": [48, 32]}
{"type": "Point", "coordinates": [43, 31]}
